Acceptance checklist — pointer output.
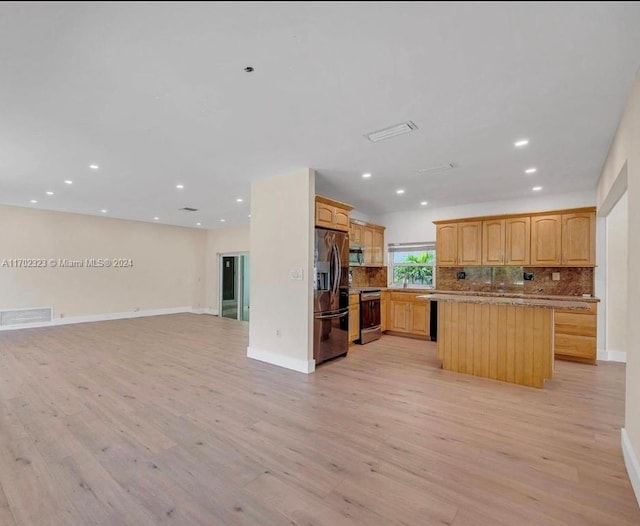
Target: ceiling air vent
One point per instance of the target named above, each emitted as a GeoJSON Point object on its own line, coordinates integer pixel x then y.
{"type": "Point", "coordinates": [391, 131]}
{"type": "Point", "coordinates": [188, 209]}
{"type": "Point", "coordinates": [437, 168]}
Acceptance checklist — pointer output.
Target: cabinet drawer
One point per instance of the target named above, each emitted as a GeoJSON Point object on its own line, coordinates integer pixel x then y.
{"type": "Point", "coordinates": [576, 346]}
{"type": "Point", "coordinates": [575, 324]}
{"type": "Point", "coordinates": [593, 309]}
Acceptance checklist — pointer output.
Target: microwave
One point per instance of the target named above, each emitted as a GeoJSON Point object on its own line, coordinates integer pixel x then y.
{"type": "Point", "coordinates": [356, 256]}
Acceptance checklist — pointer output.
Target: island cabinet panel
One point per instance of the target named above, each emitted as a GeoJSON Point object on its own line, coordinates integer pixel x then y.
{"type": "Point", "coordinates": [546, 240]}
{"type": "Point", "coordinates": [517, 241]}
{"type": "Point", "coordinates": [504, 342]}
{"type": "Point", "coordinates": [578, 239]}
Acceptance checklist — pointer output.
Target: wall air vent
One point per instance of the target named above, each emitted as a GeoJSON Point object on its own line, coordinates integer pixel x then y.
{"type": "Point", "coordinates": [188, 209]}
{"type": "Point", "coordinates": [25, 316]}
{"type": "Point", "coordinates": [437, 168]}
{"type": "Point", "coordinates": [391, 131]}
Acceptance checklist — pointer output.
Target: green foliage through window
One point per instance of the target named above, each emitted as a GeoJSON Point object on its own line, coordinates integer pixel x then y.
{"type": "Point", "coordinates": [413, 265]}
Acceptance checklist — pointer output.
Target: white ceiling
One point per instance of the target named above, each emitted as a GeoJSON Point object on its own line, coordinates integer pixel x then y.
{"type": "Point", "coordinates": [156, 95]}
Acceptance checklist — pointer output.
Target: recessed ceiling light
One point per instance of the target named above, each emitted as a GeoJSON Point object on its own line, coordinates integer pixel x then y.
{"type": "Point", "coordinates": [103, 211]}
{"type": "Point", "coordinates": [68, 182]}
{"type": "Point", "coordinates": [198, 224]}
{"type": "Point", "coordinates": [239, 200]}
{"type": "Point", "coordinates": [423, 203]}
{"type": "Point", "coordinates": [49, 192]}
{"type": "Point", "coordinates": [34, 201]}
{"type": "Point", "coordinates": [399, 191]}
{"type": "Point", "coordinates": [537, 188]}
{"type": "Point", "coordinates": [531, 170]}
{"type": "Point", "coordinates": [222, 220]}
{"type": "Point", "coordinates": [156, 219]}
{"type": "Point", "coordinates": [366, 176]}
{"type": "Point", "coordinates": [249, 215]}
{"type": "Point", "coordinates": [94, 166]}
{"type": "Point", "coordinates": [179, 186]}
{"type": "Point", "coordinates": [521, 142]}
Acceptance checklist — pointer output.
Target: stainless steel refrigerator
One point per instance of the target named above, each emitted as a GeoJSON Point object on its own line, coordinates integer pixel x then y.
{"type": "Point", "coordinates": [331, 295]}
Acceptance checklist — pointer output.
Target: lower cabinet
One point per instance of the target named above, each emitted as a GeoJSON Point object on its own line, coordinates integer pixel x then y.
{"type": "Point", "coordinates": [575, 334]}
{"type": "Point", "coordinates": [384, 310]}
{"type": "Point", "coordinates": [354, 317]}
{"type": "Point", "coordinates": [407, 315]}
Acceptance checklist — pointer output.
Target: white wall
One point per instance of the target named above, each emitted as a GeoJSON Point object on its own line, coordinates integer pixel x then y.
{"type": "Point", "coordinates": [167, 272]}
{"type": "Point", "coordinates": [417, 225]}
{"type": "Point", "coordinates": [622, 170]}
{"type": "Point", "coordinates": [282, 230]}
{"type": "Point", "coordinates": [617, 277]}
{"type": "Point", "coordinates": [221, 241]}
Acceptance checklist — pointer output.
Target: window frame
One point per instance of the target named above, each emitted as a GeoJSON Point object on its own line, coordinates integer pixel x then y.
{"type": "Point", "coordinates": [418, 248]}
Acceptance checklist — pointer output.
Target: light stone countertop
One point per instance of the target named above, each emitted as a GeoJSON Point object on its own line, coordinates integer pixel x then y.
{"type": "Point", "coordinates": [500, 300]}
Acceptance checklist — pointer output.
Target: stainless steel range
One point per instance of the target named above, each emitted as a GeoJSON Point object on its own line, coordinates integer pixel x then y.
{"type": "Point", "coordinates": [370, 328]}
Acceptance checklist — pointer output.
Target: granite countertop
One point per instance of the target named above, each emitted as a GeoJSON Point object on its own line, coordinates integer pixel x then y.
{"type": "Point", "coordinates": [518, 301]}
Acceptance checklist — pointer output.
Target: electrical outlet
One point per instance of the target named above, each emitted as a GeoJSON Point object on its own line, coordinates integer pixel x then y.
{"type": "Point", "coordinates": [527, 276]}
{"type": "Point", "coordinates": [555, 276]}
{"type": "Point", "coordinates": [296, 274]}
{"type": "Point", "coordinates": [461, 275]}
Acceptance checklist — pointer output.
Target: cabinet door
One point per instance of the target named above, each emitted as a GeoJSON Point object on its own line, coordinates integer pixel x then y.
{"type": "Point", "coordinates": [341, 219]}
{"type": "Point", "coordinates": [469, 243]}
{"type": "Point", "coordinates": [517, 241]}
{"type": "Point", "coordinates": [400, 320]}
{"type": "Point", "coordinates": [356, 234]}
{"type": "Point", "coordinates": [367, 242]}
{"type": "Point", "coordinates": [384, 306]}
{"type": "Point", "coordinates": [324, 215]}
{"type": "Point", "coordinates": [546, 236]}
{"type": "Point", "coordinates": [354, 322]}
{"type": "Point", "coordinates": [578, 239]}
{"type": "Point", "coordinates": [447, 245]}
{"type": "Point", "coordinates": [493, 242]}
{"type": "Point", "coordinates": [378, 248]}
{"type": "Point", "coordinates": [420, 318]}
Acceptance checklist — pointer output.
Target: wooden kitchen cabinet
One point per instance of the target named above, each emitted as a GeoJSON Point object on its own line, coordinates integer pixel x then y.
{"type": "Point", "coordinates": [332, 214]}
{"type": "Point", "coordinates": [354, 317]}
{"type": "Point", "coordinates": [384, 310]}
{"type": "Point", "coordinates": [493, 242]}
{"type": "Point", "coordinates": [578, 239]}
{"type": "Point", "coordinates": [459, 244]}
{"type": "Point", "coordinates": [367, 237]}
{"type": "Point", "coordinates": [546, 240]}
{"type": "Point", "coordinates": [407, 315]}
{"type": "Point", "coordinates": [355, 234]}
{"type": "Point", "coordinates": [575, 334]}
{"type": "Point", "coordinates": [517, 241]}
{"type": "Point", "coordinates": [447, 245]}
{"type": "Point", "coordinates": [371, 238]}
{"type": "Point", "coordinates": [377, 251]}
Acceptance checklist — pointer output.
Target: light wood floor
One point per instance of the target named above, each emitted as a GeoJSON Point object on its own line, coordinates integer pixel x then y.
{"type": "Point", "coordinates": [165, 421]}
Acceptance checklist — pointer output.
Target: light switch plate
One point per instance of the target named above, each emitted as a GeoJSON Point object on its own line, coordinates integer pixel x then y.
{"type": "Point", "coordinates": [296, 274]}
{"type": "Point", "coordinates": [555, 276]}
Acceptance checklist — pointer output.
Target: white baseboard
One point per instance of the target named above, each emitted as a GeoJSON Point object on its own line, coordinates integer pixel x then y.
{"type": "Point", "coordinates": [631, 461]}
{"type": "Point", "coordinates": [302, 366]}
{"type": "Point", "coordinates": [612, 356]}
{"type": "Point", "coordinates": [213, 312]}
{"type": "Point", "coordinates": [101, 317]}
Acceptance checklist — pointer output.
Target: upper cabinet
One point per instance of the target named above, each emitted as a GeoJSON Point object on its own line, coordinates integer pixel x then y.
{"type": "Point", "coordinates": [553, 239]}
{"type": "Point", "coordinates": [332, 214]}
{"type": "Point", "coordinates": [578, 239]}
{"type": "Point", "coordinates": [459, 244]}
{"type": "Point", "coordinates": [546, 240]}
{"type": "Point", "coordinates": [371, 238]}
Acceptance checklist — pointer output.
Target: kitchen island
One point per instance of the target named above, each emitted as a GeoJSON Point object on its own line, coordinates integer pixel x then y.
{"type": "Point", "coordinates": [504, 338]}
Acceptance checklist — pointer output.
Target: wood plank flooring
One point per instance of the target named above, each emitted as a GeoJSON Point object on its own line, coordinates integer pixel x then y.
{"type": "Point", "coordinates": [164, 420]}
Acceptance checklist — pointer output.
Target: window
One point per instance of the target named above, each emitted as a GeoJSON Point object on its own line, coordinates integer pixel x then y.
{"type": "Point", "coordinates": [413, 264]}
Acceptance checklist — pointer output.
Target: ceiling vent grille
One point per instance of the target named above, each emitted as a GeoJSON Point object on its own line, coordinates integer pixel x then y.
{"type": "Point", "coordinates": [25, 316]}
{"type": "Point", "coordinates": [188, 209]}
{"type": "Point", "coordinates": [391, 131]}
{"type": "Point", "coordinates": [437, 168]}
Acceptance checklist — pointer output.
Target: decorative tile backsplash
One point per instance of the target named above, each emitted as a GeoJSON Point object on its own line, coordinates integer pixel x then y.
{"type": "Point", "coordinates": [574, 281]}
{"type": "Point", "coordinates": [368, 276]}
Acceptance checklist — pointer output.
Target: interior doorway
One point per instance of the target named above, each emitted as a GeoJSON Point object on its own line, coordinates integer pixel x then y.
{"type": "Point", "coordinates": [234, 286]}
